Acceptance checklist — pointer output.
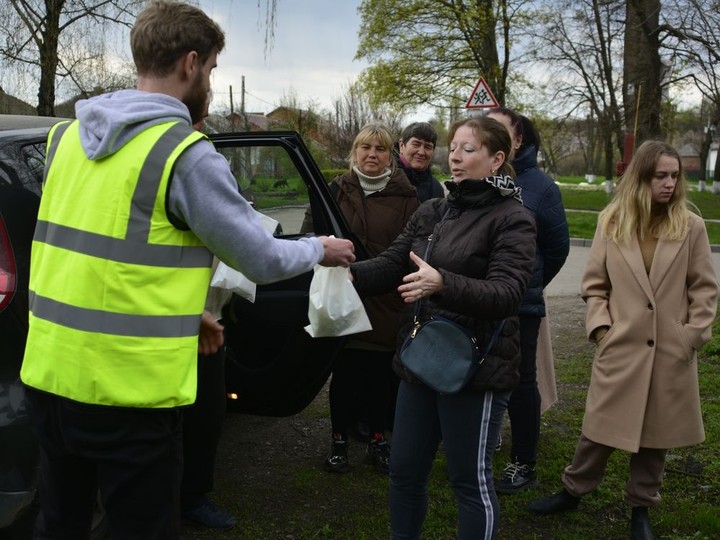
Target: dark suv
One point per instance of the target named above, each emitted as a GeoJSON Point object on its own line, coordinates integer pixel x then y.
{"type": "Point", "coordinates": [273, 367]}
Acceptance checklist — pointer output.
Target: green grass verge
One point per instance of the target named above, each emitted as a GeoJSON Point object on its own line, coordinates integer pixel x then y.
{"type": "Point", "coordinates": [581, 204]}
{"type": "Point", "coordinates": [304, 502]}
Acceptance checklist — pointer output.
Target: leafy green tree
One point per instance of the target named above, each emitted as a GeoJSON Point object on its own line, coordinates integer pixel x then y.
{"type": "Point", "coordinates": [431, 52]}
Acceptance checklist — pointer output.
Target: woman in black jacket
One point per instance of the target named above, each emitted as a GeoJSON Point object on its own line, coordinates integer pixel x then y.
{"type": "Point", "coordinates": [482, 259]}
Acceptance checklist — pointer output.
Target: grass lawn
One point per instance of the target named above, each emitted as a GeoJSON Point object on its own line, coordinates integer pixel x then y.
{"type": "Point", "coordinates": [273, 480]}
{"type": "Point", "coordinates": [581, 201]}
{"type": "Point", "coordinates": [582, 205]}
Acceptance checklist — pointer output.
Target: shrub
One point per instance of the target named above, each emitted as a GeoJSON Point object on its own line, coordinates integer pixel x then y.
{"type": "Point", "coordinates": [329, 174]}
{"type": "Point", "coordinates": [263, 183]}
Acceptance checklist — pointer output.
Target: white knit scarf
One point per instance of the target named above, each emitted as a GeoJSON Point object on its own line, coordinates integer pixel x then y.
{"type": "Point", "coordinates": [371, 184]}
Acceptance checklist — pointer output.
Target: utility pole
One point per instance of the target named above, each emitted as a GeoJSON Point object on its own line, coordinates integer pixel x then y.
{"type": "Point", "coordinates": [231, 101]}
{"type": "Point", "coordinates": [242, 103]}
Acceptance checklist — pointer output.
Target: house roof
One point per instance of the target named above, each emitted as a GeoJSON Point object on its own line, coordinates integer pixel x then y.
{"type": "Point", "coordinates": [256, 121]}
{"type": "Point", "coordinates": [688, 150]}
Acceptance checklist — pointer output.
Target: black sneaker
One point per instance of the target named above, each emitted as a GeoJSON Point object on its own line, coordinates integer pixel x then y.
{"type": "Point", "coordinates": [337, 459]}
{"type": "Point", "coordinates": [516, 477]}
{"type": "Point", "coordinates": [378, 453]}
{"type": "Point", "coordinates": [207, 514]}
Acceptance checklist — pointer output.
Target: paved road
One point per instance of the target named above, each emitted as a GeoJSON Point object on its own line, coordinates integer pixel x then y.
{"type": "Point", "coordinates": [567, 282]}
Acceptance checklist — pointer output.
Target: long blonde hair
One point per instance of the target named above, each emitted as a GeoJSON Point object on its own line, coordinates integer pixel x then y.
{"type": "Point", "coordinates": [631, 213]}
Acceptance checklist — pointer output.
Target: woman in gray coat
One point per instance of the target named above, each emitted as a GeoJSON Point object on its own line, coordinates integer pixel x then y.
{"type": "Point", "coordinates": [651, 295]}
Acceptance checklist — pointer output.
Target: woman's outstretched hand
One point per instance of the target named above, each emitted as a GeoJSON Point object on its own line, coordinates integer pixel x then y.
{"type": "Point", "coordinates": [424, 282]}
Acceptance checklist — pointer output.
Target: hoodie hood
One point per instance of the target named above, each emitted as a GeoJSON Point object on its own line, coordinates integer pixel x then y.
{"type": "Point", "coordinates": [109, 121]}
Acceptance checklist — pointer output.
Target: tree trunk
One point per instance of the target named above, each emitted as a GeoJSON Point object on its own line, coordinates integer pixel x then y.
{"type": "Point", "coordinates": [644, 70]}
{"type": "Point", "coordinates": [488, 49]}
{"type": "Point", "coordinates": [609, 160]}
{"type": "Point", "coordinates": [704, 152]}
{"type": "Point", "coordinates": [48, 48]}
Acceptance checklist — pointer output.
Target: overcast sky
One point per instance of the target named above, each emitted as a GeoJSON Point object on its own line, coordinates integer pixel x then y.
{"type": "Point", "coordinates": [312, 56]}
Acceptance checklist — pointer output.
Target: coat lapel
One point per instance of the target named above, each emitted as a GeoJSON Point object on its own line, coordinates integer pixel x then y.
{"type": "Point", "coordinates": [665, 253]}
{"type": "Point", "coordinates": [633, 257]}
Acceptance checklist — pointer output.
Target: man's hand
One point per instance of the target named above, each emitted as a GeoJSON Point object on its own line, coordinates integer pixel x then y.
{"type": "Point", "coordinates": [211, 334]}
{"type": "Point", "coordinates": [338, 251]}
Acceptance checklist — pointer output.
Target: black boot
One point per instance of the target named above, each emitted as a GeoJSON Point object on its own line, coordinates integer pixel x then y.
{"type": "Point", "coordinates": [640, 524]}
{"type": "Point", "coordinates": [559, 502]}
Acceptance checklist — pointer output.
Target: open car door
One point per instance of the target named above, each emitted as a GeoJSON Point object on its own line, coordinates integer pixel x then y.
{"type": "Point", "coordinates": [273, 367]}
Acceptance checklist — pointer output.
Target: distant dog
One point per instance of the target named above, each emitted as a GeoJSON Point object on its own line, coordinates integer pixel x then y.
{"type": "Point", "coordinates": [280, 183]}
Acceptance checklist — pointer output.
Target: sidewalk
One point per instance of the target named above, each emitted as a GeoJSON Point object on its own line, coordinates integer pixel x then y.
{"type": "Point", "coordinates": [567, 282]}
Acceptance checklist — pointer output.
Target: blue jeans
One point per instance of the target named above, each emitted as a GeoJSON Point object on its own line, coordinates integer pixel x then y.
{"type": "Point", "coordinates": [468, 423]}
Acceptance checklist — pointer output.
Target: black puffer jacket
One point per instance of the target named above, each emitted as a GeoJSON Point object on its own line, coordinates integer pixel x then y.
{"type": "Point", "coordinates": [485, 251]}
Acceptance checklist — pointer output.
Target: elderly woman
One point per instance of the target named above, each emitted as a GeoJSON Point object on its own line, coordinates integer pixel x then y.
{"type": "Point", "coordinates": [476, 275]}
{"type": "Point", "coordinates": [376, 200]}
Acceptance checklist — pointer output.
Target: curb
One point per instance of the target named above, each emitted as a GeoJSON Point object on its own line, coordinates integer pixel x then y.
{"type": "Point", "coordinates": [587, 242]}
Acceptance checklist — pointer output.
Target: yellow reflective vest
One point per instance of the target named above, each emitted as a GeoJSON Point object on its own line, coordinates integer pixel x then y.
{"type": "Point", "coordinates": [116, 291]}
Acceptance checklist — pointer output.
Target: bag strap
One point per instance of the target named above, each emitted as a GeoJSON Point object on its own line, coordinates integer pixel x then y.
{"type": "Point", "coordinates": [493, 339]}
{"type": "Point", "coordinates": [426, 257]}
{"type": "Point", "coordinates": [416, 323]}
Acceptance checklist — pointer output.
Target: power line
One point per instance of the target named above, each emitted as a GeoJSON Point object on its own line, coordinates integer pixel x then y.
{"type": "Point", "coordinates": [229, 93]}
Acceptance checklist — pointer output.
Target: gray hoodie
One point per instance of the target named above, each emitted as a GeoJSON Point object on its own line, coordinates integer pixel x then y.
{"type": "Point", "coordinates": [203, 192]}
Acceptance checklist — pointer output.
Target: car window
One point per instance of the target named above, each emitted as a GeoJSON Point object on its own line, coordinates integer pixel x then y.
{"type": "Point", "coordinates": [23, 165]}
{"type": "Point", "coordinates": [268, 178]}
{"type": "Point", "coordinates": [34, 157]}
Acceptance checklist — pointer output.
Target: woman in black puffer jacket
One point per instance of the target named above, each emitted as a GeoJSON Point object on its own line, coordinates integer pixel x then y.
{"type": "Point", "coordinates": [479, 267]}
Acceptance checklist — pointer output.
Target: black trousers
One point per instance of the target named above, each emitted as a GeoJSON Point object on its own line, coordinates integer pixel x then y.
{"type": "Point", "coordinates": [202, 425]}
{"type": "Point", "coordinates": [360, 375]}
{"type": "Point", "coordinates": [524, 406]}
{"type": "Point", "coordinates": [133, 456]}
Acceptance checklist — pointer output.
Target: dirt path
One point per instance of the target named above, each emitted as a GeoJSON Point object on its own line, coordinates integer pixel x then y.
{"type": "Point", "coordinates": [262, 461]}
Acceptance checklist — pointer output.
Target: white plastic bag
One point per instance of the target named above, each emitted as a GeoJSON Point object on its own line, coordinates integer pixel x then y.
{"type": "Point", "coordinates": [232, 280]}
{"type": "Point", "coordinates": [334, 307]}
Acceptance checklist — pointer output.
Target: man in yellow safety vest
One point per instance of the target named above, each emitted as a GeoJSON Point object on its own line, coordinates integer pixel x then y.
{"type": "Point", "coordinates": [135, 203]}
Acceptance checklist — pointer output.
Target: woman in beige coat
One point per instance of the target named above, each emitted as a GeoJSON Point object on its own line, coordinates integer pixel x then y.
{"type": "Point", "coordinates": [651, 296]}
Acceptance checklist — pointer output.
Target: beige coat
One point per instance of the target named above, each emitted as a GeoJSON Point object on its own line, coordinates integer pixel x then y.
{"type": "Point", "coordinates": [545, 362]}
{"type": "Point", "coordinates": [644, 385]}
